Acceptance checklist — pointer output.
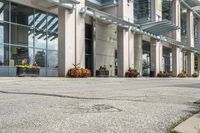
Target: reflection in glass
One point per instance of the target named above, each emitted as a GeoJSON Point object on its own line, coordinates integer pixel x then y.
{"type": "Point", "coordinates": [4, 55]}
{"type": "Point", "coordinates": [20, 53]}
{"type": "Point", "coordinates": [146, 59]}
{"type": "Point", "coordinates": [21, 35]}
{"type": "Point", "coordinates": [1, 55]}
{"type": "Point", "coordinates": [40, 39]}
{"type": "Point", "coordinates": [22, 14]}
{"type": "Point", "coordinates": [40, 57]}
{"type": "Point", "coordinates": [167, 59]}
{"type": "Point", "coordinates": [40, 20]}
{"type": "Point", "coordinates": [52, 27]}
{"type": "Point", "coordinates": [52, 59]}
{"type": "Point", "coordinates": [4, 8]}
{"type": "Point", "coordinates": [31, 32]}
{"type": "Point", "coordinates": [52, 22]}
{"type": "Point", "coordinates": [53, 41]}
{"type": "Point", "coordinates": [4, 32]}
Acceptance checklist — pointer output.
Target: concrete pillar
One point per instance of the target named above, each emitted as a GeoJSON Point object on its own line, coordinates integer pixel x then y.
{"type": "Point", "coordinates": [190, 36]}
{"type": "Point", "coordinates": [122, 48]}
{"type": "Point", "coordinates": [125, 38]}
{"type": "Point", "coordinates": [199, 64]}
{"type": "Point", "coordinates": [71, 48]}
{"type": "Point", "coordinates": [176, 60]}
{"type": "Point", "coordinates": [138, 52]}
{"type": "Point", "coordinates": [176, 18]}
{"type": "Point", "coordinates": [156, 56]}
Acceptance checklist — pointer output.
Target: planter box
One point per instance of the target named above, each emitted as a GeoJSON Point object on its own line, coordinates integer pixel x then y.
{"type": "Point", "coordinates": [28, 72]}
{"type": "Point", "coordinates": [102, 73]}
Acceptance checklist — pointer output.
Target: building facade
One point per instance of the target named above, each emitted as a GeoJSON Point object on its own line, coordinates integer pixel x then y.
{"type": "Point", "coordinates": [149, 35]}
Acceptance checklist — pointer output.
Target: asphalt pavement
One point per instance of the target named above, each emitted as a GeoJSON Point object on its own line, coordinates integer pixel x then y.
{"type": "Point", "coordinates": [95, 105]}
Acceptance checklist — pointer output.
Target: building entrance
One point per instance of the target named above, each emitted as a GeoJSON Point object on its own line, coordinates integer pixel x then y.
{"type": "Point", "coordinates": [146, 61]}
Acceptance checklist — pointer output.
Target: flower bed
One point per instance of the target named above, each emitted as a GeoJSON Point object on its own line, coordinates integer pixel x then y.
{"type": "Point", "coordinates": [183, 74]}
{"type": "Point", "coordinates": [163, 74]}
{"type": "Point", "coordinates": [132, 73]}
{"type": "Point", "coordinates": [78, 72]}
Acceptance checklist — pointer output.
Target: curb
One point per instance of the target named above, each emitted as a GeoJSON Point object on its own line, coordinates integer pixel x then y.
{"type": "Point", "coordinates": [191, 125]}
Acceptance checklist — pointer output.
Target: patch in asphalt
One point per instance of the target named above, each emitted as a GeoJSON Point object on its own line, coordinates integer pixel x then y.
{"type": "Point", "coordinates": [96, 108]}
{"type": "Point", "coordinates": [105, 108]}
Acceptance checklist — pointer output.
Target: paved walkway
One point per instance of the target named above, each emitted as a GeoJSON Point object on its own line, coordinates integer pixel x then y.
{"type": "Point", "coordinates": [191, 125]}
{"type": "Point", "coordinates": [112, 105]}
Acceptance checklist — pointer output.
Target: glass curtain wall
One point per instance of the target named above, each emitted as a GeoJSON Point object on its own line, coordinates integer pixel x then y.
{"type": "Point", "coordinates": [167, 9]}
{"type": "Point", "coordinates": [142, 11]}
{"type": "Point", "coordinates": [27, 33]}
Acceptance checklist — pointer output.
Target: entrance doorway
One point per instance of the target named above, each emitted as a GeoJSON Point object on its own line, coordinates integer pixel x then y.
{"type": "Point", "coordinates": [89, 47]}
{"type": "Point", "coordinates": [167, 59]}
{"type": "Point", "coordinates": [146, 61]}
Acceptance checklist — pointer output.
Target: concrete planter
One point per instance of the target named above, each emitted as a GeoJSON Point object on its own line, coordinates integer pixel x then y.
{"type": "Point", "coordinates": [28, 72]}
{"type": "Point", "coordinates": [102, 73]}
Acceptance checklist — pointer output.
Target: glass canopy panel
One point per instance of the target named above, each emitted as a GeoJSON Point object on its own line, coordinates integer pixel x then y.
{"type": "Point", "coordinates": [159, 28]}
{"type": "Point", "coordinates": [153, 29]}
{"type": "Point", "coordinates": [102, 3]}
{"type": "Point", "coordinates": [61, 2]}
{"type": "Point", "coordinates": [192, 3]}
{"type": "Point", "coordinates": [107, 17]}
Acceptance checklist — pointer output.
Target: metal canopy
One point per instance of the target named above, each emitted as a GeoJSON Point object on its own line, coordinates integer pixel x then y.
{"type": "Point", "coordinates": [63, 2]}
{"type": "Point", "coordinates": [108, 18]}
{"type": "Point", "coordinates": [50, 4]}
{"type": "Point", "coordinates": [154, 29]}
{"type": "Point", "coordinates": [192, 5]}
{"type": "Point", "coordinates": [103, 4]}
{"type": "Point", "coordinates": [181, 45]}
{"type": "Point", "coordinates": [160, 27]}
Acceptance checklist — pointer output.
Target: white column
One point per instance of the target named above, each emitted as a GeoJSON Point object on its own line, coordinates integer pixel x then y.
{"type": "Point", "coordinates": [125, 39]}
{"type": "Point", "coordinates": [138, 52]}
{"type": "Point", "coordinates": [156, 56]}
{"type": "Point", "coordinates": [190, 34]}
{"type": "Point", "coordinates": [176, 66]}
{"type": "Point", "coordinates": [122, 48]}
{"type": "Point", "coordinates": [80, 35]}
{"type": "Point", "coordinates": [71, 44]}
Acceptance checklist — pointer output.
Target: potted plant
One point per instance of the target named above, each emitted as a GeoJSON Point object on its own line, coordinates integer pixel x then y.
{"type": "Point", "coordinates": [78, 72]}
{"type": "Point", "coordinates": [195, 75]}
{"type": "Point", "coordinates": [102, 72]}
{"type": "Point", "coordinates": [163, 74]}
{"type": "Point", "coordinates": [132, 72]}
{"type": "Point", "coordinates": [26, 70]}
{"type": "Point", "coordinates": [183, 74]}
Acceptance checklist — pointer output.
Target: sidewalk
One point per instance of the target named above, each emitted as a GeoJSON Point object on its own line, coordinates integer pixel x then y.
{"type": "Point", "coordinates": [191, 125]}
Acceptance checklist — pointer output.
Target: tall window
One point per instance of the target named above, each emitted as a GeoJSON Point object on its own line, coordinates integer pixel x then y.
{"type": "Point", "coordinates": [167, 10]}
{"type": "Point", "coordinates": [27, 33]}
{"type": "Point", "coordinates": [142, 10]}
{"type": "Point", "coordinates": [196, 29]}
{"type": "Point", "coordinates": [167, 56]}
{"type": "Point", "coordinates": [183, 23]}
